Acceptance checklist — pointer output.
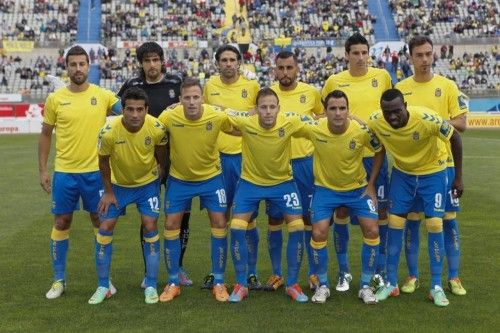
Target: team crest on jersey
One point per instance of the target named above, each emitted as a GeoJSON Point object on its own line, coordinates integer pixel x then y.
{"type": "Point", "coordinates": [93, 101]}
{"type": "Point", "coordinates": [281, 132]}
{"type": "Point", "coordinates": [352, 144]}
{"type": "Point", "coordinates": [147, 141]}
{"type": "Point", "coordinates": [437, 92]}
{"type": "Point", "coordinates": [374, 83]}
{"type": "Point", "coordinates": [302, 99]}
{"type": "Point", "coordinates": [209, 126]}
{"type": "Point", "coordinates": [171, 93]}
{"type": "Point", "coordinates": [244, 93]}
{"type": "Point", "coordinates": [416, 136]}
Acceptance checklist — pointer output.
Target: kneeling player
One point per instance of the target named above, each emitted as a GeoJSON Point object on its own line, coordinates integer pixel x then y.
{"type": "Point", "coordinates": [266, 175]}
{"type": "Point", "coordinates": [127, 148]}
{"type": "Point", "coordinates": [340, 180]}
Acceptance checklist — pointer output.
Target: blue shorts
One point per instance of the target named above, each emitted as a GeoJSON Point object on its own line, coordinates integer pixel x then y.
{"type": "Point", "coordinates": [303, 176]}
{"type": "Point", "coordinates": [67, 188]}
{"type": "Point", "coordinates": [146, 198]}
{"type": "Point", "coordinates": [382, 182]}
{"type": "Point", "coordinates": [179, 194]}
{"type": "Point", "coordinates": [284, 196]}
{"type": "Point", "coordinates": [325, 201]}
{"type": "Point", "coordinates": [452, 204]}
{"type": "Point", "coordinates": [407, 190]}
{"type": "Point", "coordinates": [231, 171]}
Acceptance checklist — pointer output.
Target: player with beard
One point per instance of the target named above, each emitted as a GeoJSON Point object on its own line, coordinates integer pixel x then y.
{"type": "Point", "coordinates": [163, 90]}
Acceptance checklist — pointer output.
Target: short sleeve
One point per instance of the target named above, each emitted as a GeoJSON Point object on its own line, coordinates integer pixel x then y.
{"type": "Point", "coordinates": [49, 115]}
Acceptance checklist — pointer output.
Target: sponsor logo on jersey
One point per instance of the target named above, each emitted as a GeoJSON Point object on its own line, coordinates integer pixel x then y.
{"type": "Point", "coordinates": [344, 85]}
{"type": "Point", "coordinates": [209, 126]}
{"type": "Point", "coordinates": [119, 142]}
{"type": "Point", "coordinates": [147, 141]}
{"type": "Point", "coordinates": [374, 83]}
{"type": "Point", "coordinates": [416, 136]}
{"type": "Point", "coordinates": [302, 99]}
{"type": "Point", "coordinates": [281, 132]}
{"type": "Point", "coordinates": [214, 94]}
{"type": "Point", "coordinates": [385, 134]}
{"type": "Point", "coordinates": [352, 144]}
{"type": "Point", "coordinates": [93, 101]}
{"type": "Point", "coordinates": [437, 92]}
{"type": "Point", "coordinates": [171, 93]}
{"type": "Point", "coordinates": [65, 103]}
{"type": "Point", "coordinates": [244, 93]}
{"type": "Point", "coordinates": [321, 140]}
{"type": "Point", "coordinates": [445, 128]}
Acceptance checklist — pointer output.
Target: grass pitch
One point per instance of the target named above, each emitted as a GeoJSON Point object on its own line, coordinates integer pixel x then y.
{"type": "Point", "coordinates": [26, 270]}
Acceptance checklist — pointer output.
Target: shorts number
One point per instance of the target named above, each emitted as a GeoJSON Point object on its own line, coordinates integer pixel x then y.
{"type": "Point", "coordinates": [154, 203]}
{"type": "Point", "coordinates": [101, 192]}
{"type": "Point", "coordinates": [221, 193]}
{"type": "Point", "coordinates": [292, 200]}
{"type": "Point", "coordinates": [381, 192]}
{"type": "Point", "coordinates": [371, 205]}
{"type": "Point", "coordinates": [454, 201]}
{"type": "Point", "coordinates": [438, 200]}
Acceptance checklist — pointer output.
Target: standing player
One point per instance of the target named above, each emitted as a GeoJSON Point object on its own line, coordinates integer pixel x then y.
{"type": "Point", "coordinates": [340, 180]}
{"type": "Point", "coordinates": [163, 90]}
{"type": "Point", "coordinates": [415, 136]}
{"type": "Point", "coordinates": [267, 175]}
{"type": "Point", "coordinates": [195, 172]}
{"type": "Point", "coordinates": [76, 112]}
{"type": "Point", "coordinates": [127, 148]}
{"type": "Point", "coordinates": [363, 86]}
{"type": "Point", "coordinates": [232, 90]}
{"type": "Point", "coordinates": [303, 99]}
{"type": "Point", "coordinates": [441, 95]}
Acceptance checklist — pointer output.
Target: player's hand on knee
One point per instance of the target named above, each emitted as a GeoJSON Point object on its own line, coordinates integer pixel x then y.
{"type": "Point", "coordinates": [371, 192]}
{"type": "Point", "coordinates": [45, 182]}
{"type": "Point", "coordinates": [107, 200]}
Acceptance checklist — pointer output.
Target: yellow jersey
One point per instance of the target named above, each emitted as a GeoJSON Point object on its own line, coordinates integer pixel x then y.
{"type": "Point", "coordinates": [418, 148]}
{"type": "Point", "coordinates": [338, 158]}
{"type": "Point", "coordinates": [193, 143]}
{"type": "Point", "coordinates": [305, 100]}
{"type": "Point", "coordinates": [77, 118]}
{"type": "Point", "coordinates": [132, 155]}
{"type": "Point", "coordinates": [239, 95]}
{"type": "Point", "coordinates": [440, 95]}
{"type": "Point", "coordinates": [266, 152]}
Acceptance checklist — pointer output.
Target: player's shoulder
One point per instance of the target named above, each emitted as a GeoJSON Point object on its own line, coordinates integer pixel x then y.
{"type": "Point", "coordinates": [112, 124]}
{"type": "Point", "coordinates": [378, 72]}
{"type": "Point", "coordinates": [405, 83]}
{"type": "Point", "coordinates": [306, 88]}
{"type": "Point", "coordinates": [172, 79]}
{"type": "Point", "coordinates": [214, 80]}
{"type": "Point", "coordinates": [376, 116]}
{"type": "Point", "coordinates": [424, 113]}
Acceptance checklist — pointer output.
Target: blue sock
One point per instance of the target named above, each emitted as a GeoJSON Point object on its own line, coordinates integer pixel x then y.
{"type": "Point", "coordinates": [382, 254]}
{"type": "Point", "coordinates": [341, 241]}
{"type": "Point", "coordinates": [103, 252]}
{"type": "Point", "coordinates": [59, 244]}
{"type": "Point", "coordinates": [252, 238]}
{"type": "Point", "coordinates": [452, 247]}
{"type": "Point", "coordinates": [412, 244]}
{"type": "Point", "coordinates": [239, 252]}
{"type": "Point", "coordinates": [172, 249]}
{"type": "Point", "coordinates": [354, 220]}
{"type": "Point", "coordinates": [294, 253]}
{"type": "Point", "coordinates": [275, 245]}
{"type": "Point", "coordinates": [394, 244]}
{"type": "Point", "coordinates": [219, 253]}
{"type": "Point", "coordinates": [320, 261]}
{"type": "Point", "coordinates": [436, 254]}
{"type": "Point", "coordinates": [151, 250]}
{"type": "Point", "coordinates": [369, 254]}
{"type": "Point", "coordinates": [309, 249]}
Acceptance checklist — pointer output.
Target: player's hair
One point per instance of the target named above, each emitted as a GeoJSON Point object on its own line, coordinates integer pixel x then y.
{"type": "Point", "coordinates": [418, 41]}
{"type": "Point", "coordinates": [134, 93]}
{"type": "Point", "coordinates": [191, 82]}
{"type": "Point", "coordinates": [77, 50]}
{"type": "Point", "coordinates": [355, 39]}
{"type": "Point", "coordinates": [391, 94]}
{"type": "Point", "coordinates": [225, 48]}
{"type": "Point", "coordinates": [336, 94]}
{"type": "Point", "coordinates": [266, 92]}
{"type": "Point", "coordinates": [148, 48]}
{"type": "Point", "coordinates": [286, 55]}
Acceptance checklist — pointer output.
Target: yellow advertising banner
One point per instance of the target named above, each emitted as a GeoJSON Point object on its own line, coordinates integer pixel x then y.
{"type": "Point", "coordinates": [18, 45]}
{"type": "Point", "coordinates": [483, 120]}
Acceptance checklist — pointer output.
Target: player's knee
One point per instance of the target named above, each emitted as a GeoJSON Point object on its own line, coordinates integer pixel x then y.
{"type": "Point", "coordinates": [320, 234]}
{"type": "Point", "coordinates": [396, 222]}
{"type": "Point", "coordinates": [62, 222]}
{"type": "Point", "coordinates": [382, 214]}
{"type": "Point", "coordinates": [371, 232]}
{"type": "Point", "coordinates": [341, 220]}
{"type": "Point", "coordinates": [434, 224]}
{"type": "Point", "coordinates": [450, 216]}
